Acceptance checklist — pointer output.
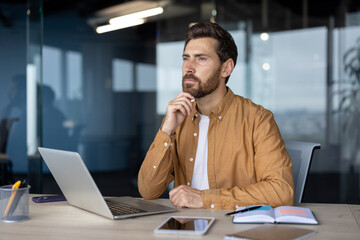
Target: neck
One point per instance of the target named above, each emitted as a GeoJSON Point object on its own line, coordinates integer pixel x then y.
{"type": "Point", "coordinates": [207, 103]}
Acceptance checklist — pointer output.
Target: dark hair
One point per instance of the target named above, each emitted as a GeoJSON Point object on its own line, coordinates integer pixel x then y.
{"type": "Point", "coordinates": [226, 47]}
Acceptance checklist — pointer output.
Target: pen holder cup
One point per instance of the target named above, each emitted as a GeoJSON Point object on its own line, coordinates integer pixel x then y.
{"type": "Point", "coordinates": [14, 204]}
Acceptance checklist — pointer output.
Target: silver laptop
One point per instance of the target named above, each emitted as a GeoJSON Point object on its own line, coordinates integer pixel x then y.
{"type": "Point", "coordinates": [80, 190]}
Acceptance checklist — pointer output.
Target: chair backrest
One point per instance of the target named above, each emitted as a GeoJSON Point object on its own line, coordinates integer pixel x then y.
{"type": "Point", "coordinates": [301, 154]}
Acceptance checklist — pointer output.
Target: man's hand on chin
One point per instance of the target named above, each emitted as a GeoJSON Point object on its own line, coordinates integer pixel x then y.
{"type": "Point", "coordinates": [184, 196]}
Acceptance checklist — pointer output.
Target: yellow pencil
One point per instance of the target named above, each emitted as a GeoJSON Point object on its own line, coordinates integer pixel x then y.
{"type": "Point", "coordinates": [13, 194]}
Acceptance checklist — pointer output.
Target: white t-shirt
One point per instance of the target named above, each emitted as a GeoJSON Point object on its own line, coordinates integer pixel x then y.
{"type": "Point", "coordinates": [200, 179]}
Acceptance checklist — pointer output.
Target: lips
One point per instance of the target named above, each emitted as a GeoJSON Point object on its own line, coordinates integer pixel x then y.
{"type": "Point", "coordinates": [189, 80]}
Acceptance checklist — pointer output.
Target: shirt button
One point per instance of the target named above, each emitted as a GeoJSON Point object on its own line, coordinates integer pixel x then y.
{"type": "Point", "coordinates": [220, 117]}
{"type": "Point", "coordinates": [195, 114]}
{"type": "Point", "coordinates": [212, 206]}
{"type": "Point", "coordinates": [171, 144]}
{"type": "Point", "coordinates": [188, 183]}
{"type": "Point", "coordinates": [191, 159]}
{"type": "Point", "coordinates": [166, 144]}
{"type": "Point", "coordinates": [195, 134]}
{"type": "Point", "coordinates": [154, 166]}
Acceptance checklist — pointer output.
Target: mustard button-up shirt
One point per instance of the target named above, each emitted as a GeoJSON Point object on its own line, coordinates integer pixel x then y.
{"type": "Point", "coordinates": [247, 160]}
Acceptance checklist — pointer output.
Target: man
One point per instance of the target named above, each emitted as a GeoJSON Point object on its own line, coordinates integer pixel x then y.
{"type": "Point", "coordinates": [222, 150]}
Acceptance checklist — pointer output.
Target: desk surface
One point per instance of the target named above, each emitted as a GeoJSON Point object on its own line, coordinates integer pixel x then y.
{"type": "Point", "coordinates": [62, 221]}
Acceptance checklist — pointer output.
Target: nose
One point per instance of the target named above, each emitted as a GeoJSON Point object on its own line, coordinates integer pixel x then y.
{"type": "Point", "coordinates": [189, 66]}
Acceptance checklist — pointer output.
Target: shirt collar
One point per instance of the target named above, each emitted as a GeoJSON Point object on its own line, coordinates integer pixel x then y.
{"type": "Point", "coordinates": [219, 110]}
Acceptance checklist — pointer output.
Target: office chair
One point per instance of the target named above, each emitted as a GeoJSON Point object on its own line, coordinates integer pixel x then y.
{"type": "Point", "coordinates": [301, 154]}
{"type": "Point", "coordinates": [5, 162]}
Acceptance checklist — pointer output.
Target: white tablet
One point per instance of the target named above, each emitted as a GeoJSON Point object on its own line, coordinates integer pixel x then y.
{"type": "Point", "coordinates": [185, 225]}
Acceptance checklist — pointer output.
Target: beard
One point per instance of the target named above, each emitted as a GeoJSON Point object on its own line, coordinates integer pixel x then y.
{"type": "Point", "coordinates": [204, 88]}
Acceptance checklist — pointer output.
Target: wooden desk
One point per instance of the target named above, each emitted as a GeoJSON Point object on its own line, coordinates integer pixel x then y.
{"type": "Point", "coordinates": [62, 221]}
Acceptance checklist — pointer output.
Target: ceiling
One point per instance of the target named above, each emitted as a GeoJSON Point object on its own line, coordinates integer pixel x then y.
{"type": "Point", "coordinates": [272, 15]}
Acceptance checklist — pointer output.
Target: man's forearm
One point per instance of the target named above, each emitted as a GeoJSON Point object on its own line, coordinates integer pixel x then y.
{"type": "Point", "coordinates": [154, 174]}
{"type": "Point", "coordinates": [274, 193]}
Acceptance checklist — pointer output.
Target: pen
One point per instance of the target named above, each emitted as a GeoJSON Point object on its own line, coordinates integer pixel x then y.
{"type": "Point", "coordinates": [15, 186]}
{"type": "Point", "coordinates": [17, 198]}
{"type": "Point", "coordinates": [243, 210]}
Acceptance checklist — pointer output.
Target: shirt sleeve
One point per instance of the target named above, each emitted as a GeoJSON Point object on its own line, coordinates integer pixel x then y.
{"type": "Point", "coordinates": [273, 169]}
{"type": "Point", "coordinates": [156, 171]}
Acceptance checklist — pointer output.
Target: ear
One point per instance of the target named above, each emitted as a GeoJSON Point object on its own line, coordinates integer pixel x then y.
{"type": "Point", "coordinates": [227, 68]}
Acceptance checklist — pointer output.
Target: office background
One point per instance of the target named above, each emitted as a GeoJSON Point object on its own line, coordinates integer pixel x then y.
{"type": "Point", "coordinates": [65, 86]}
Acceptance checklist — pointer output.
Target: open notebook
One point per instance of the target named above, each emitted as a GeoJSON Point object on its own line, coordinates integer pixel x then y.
{"type": "Point", "coordinates": [283, 214]}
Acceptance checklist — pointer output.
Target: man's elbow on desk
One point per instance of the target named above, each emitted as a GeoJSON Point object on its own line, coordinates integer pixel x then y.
{"type": "Point", "coordinates": [289, 201]}
{"type": "Point", "coordinates": [148, 192]}
{"type": "Point", "coordinates": [285, 197]}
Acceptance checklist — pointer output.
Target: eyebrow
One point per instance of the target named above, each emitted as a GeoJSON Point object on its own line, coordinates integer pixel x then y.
{"type": "Point", "coordinates": [196, 55]}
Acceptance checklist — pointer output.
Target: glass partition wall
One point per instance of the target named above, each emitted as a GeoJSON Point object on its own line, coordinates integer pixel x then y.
{"type": "Point", "coordinates": [345, 93]}
{"type": "Point", "coordinates": [21, 36]}
{"type": "Point", "coordinates": [104, 95]}
{"type": "Point", "coordinates": [13, 57]}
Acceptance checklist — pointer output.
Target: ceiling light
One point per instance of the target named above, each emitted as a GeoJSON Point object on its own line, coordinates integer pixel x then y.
{"type": "Point", "coordinates": [264, 36]}
{"type": "Point", "coordinates": [117, 26]}
{"type": "Point", "coordinates": [137, 15]}
{"type": "Point", "coordinates": [266, 66]}
{"type": "Point", "coordinates": [150, 11]}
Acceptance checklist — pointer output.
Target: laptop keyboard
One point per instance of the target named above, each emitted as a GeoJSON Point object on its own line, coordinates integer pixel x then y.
{"type": "Point", "coordinates": [118, 208]}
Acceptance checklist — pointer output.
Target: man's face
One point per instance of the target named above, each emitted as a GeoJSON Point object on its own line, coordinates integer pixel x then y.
{"type": "Point", "coordinates": [201, 67]}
